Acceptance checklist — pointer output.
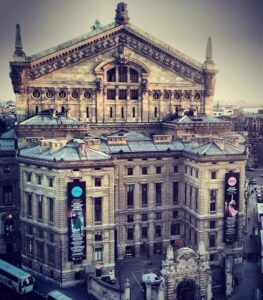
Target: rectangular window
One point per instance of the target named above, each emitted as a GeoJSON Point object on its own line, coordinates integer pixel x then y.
{"type": "Point", "coordinates": [158, 194]}
{"type": "Point", "coordinates": [97, 181]}
{"type": "Point", "coordinates": [158, 170]}
{"type": "Point", "coordinates": [130, 218]}
{"type": "Point", "coordinates": [87, 112]}
{"type": "Point", "coordinates": [39, 179]}
{"type": "Point", "coordinates": [133, 112]}
{"type": "Point", "coordinates": [51, 209]}
{"type": "Point", "coordinates": [212, 224]}
{"type": "Point", "coordinates": [122, 112]}
{"type": "Point", "coordinates": [196, 198]}
{"type": "Point", "coordinates": [158, 230]}
{"type": "Point", "coordinates": [212, 240]}
{"type": "Point", "coordinates": [97, 209]}
{"type": "Point", "coordinates": [158, 215]}
{"type": "Point", "coordinates": [155, 112]}
{"type": "Point", "coordinates": [213, 175]}
{"type": "Point", "coordinates": [144, 232]}
{"type": "Point", "coordinates": [98, 254]}
{"type": "Point", "coordinates": [122, 94]}
{"type": "Point", "coordinates": [39, 207]}
{"type": "Point", "coordinates": [111, 94]}
{"type": "Point", "coordinates": [176, 169]}
{"type": "Point", "coordinates": [7, 194]}
{"type": "Point", "coordinates": [130, 234]}
{"type": "Point", "coordinates": [28, 177]}
{"type": "Point", "coordinates": [175, 214]}
{"type": "Point", "coordinates": [111, 112]}
{"type": "Point", "coordinates": [175, 229]}
{"type": "Point", "coordinates": [122, 74]}
{"type": "Point", "coordinates": [40, 249]}
{"type": "Point", "coordinates": [175, 192]}
{"type": "Point", "coordinates": [144, 188]}
{"type": "Point", "coordinates": [191, 171]}
{"type": "Point", "coordinates": [98, 236]}
{"type": "Point", "coordinates": [129, 171]}
{"type": "Point", "coordinates": [29, 246]}
{"type": "Point", "coordinates": [144, 217]}
{"type": "Point", "coordinates": [29, 204]}
{"type": "Point", "coordinates": [51, 254]}
{"type": "Point", "coordinates": [134, 94]}
{"type": "Point", "coordinates": [144, 170]}
{"type": "Point", "coordinates": [50, 182]}
{"type": "Point", "coordinates": [130, 195]}
{"type": "Point", "coordinates": [196, 173]}
{"type": "Point", "coordinates": [213, 194]}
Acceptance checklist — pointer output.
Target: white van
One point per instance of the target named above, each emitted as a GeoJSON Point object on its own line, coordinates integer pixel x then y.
{"type": "Point", "coordinates": [56, 295]}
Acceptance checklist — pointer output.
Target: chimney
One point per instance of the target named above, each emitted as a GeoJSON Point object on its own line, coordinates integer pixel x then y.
{"type": "Point", "coordinates": [92, 143]}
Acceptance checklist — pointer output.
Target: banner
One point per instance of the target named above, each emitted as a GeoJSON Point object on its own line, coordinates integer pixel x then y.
{"type": "Point", "coordinates": [231, 207]}
{"type": "Point", "coordinates": [76, 220]}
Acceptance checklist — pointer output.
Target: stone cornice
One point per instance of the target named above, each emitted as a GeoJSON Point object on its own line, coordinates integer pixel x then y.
{"type": "Point", "coordinates": [118, 36]}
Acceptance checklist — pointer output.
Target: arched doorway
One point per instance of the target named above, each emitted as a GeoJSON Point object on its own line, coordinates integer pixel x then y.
{"type": "Point", "coordinates": [187, 290]}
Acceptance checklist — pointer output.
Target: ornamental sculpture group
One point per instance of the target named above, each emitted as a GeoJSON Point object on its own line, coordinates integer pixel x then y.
{"type": "Point", "coordinates": [186, 276]}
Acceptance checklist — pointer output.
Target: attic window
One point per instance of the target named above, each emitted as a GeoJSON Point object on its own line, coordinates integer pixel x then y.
{"type": "Point", "coordinates": [50, 94]}
{"type": "Point", "coordinates": [177, 96]}
{"type": "Point", "coordinates": [87, 95]}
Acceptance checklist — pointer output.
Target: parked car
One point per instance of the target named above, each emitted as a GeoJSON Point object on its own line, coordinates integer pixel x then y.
{"type": "Point", "coordinates": [252, 181]}
{"type": "Point", "coordinates": [109, 279]}
{"type": "Point", "coordinates": [261, 175]}
{"type": "Point", "coordinates": [250, 169]}
{"type": "Point", "coordinates": [152, 278]}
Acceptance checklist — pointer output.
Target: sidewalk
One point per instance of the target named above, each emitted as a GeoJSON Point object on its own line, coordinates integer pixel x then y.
{"type": "Point", "coordinates": [248, 272]}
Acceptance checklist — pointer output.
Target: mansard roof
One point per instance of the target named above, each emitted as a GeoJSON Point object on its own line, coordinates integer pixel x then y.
{"type": "Point", "coordinates": [44, 119]}
{"type": "Point", "coordinates": [72, 151]}
{"type": "Point", "coordinates": [68, 152]}
{"type": "Point", "coordinates": [197, 119]}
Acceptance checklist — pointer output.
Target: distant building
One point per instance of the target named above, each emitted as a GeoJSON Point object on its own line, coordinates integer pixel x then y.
{"type": "Point", "coordinates": [255, 127]}
{"type": "Point", "coordinates": [9, 196]}
{"type": "Point", "coordinates": [120, 154]}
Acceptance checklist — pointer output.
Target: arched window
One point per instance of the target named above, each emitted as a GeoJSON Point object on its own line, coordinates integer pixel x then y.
{"type": "Point", "coordinates": [111, 75]}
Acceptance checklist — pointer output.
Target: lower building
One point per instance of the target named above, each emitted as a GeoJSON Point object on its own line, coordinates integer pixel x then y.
{"type": "Point", "coordinates": [9, 197]}
{"type": "Point", "coordinates": [93, 200]}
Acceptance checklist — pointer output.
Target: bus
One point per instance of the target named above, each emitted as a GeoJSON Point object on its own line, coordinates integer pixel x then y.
{"type": "Point", "coordinates": [57, 295]}
{"type": "Point", "coordinates": [15, 278]}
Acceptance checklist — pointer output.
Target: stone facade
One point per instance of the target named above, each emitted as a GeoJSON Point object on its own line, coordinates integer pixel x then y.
{"type": "Point", "coordinates": [132, 104]}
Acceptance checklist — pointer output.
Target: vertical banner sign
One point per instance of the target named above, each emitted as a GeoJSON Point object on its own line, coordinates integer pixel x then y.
{"type": "Point", "coordinates": [231, 207]}
{"type": "Point", "coordinates": [76, 220]}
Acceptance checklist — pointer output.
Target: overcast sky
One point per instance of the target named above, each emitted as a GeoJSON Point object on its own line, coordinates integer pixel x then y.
{"type": "Point", "coordinates": [236, 28]}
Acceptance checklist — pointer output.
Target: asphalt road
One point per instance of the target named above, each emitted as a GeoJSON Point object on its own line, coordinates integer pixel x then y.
{"type": "Point", "coordinates": [8, 294]}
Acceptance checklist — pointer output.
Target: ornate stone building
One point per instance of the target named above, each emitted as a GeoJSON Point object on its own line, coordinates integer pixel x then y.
{"type": "Point", "coordinates": [119, 144]}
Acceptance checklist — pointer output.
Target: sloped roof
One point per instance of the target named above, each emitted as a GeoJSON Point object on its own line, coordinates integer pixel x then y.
{"type": "Point", "coordinates": [70, 152]}
{"type": "Point", "coordinates": [9, 134]}
{"type": "Point", "coordinates": [196, 119]}
{"type": "Point", "coordinates": [130, 135]}
{"type": "Point", "coordinates": [212, 148]}
{"type": "Point", "coordinates": [48, 120]}
{"type": "Point", "coordinates": [7, 144]}
{"type": "Point", "coordinates": [130, 28]}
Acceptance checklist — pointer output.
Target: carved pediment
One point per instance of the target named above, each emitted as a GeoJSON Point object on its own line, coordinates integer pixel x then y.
{"type": "Point", "coordinates": [115, 38]}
